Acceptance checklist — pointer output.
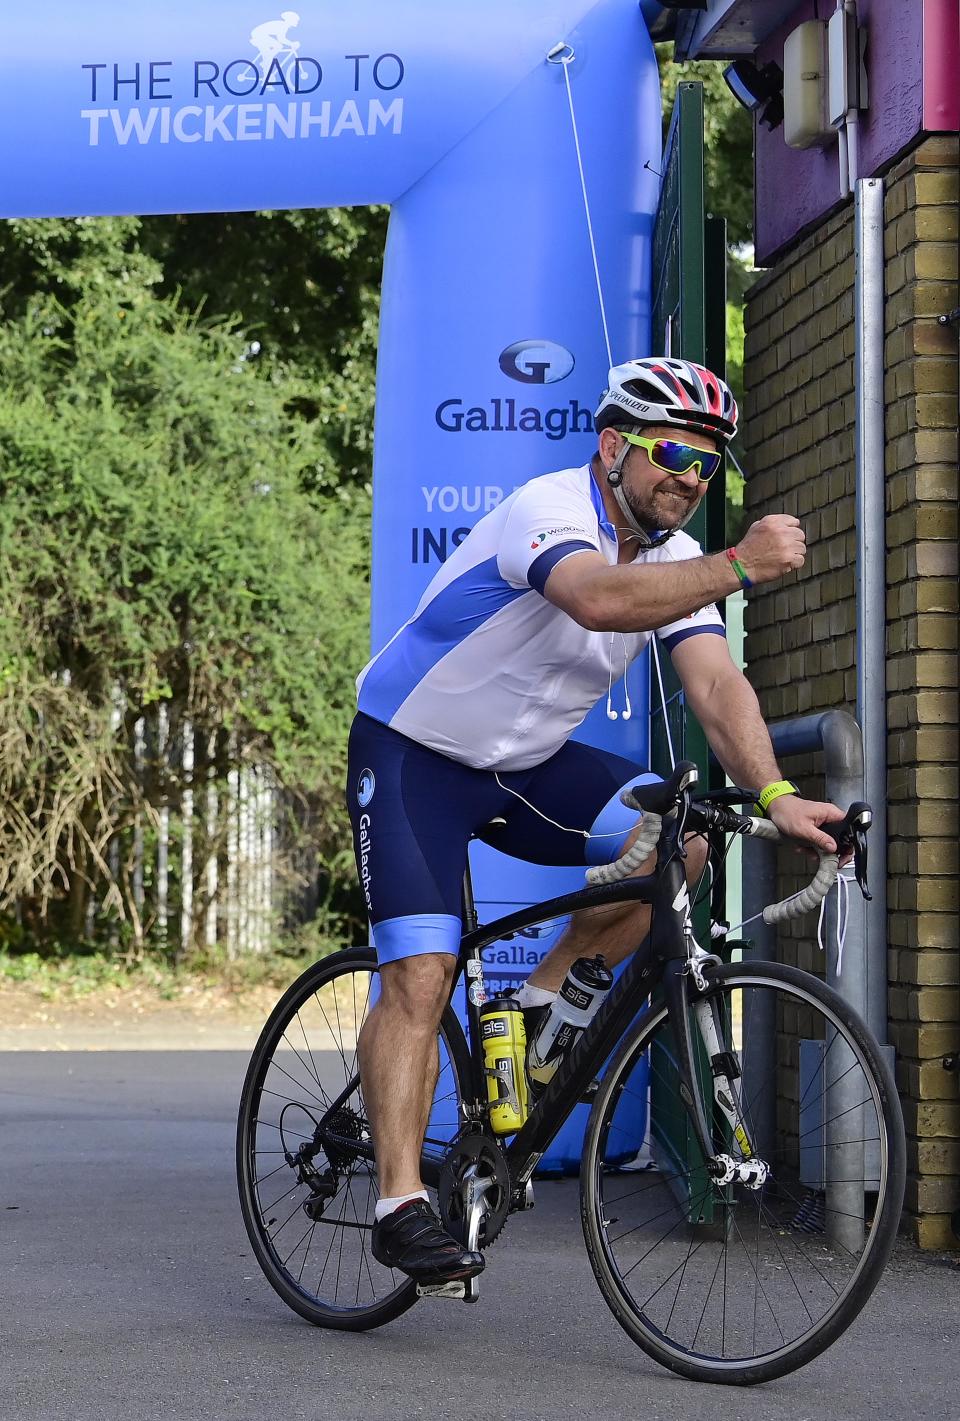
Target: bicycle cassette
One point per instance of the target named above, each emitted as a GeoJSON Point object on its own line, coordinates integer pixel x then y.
{"type": "Point", "coordinates": [474, 1151]}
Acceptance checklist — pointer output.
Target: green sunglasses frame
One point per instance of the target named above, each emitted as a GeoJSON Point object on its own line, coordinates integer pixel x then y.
{"type": "Point", "coordinates": [642, 442]}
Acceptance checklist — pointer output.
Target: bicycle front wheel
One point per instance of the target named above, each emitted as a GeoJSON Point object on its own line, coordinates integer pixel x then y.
{"type": "Point", "coordinates": [728, 1282]}
{"type": "Point", "coordinates": [305, 1164]}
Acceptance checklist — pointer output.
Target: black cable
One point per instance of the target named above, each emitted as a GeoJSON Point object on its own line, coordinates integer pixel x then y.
{"type": "Point", "coordinates": [700, 896]}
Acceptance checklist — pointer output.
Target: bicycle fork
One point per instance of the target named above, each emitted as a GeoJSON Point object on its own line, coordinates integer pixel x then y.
{"type": "Point", "coordinates": [724, 1168]}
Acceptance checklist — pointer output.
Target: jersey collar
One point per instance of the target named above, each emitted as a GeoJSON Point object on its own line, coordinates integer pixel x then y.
{"type": "Point", "coordinates": [598, 506]}
{"type": "Point", "coordinates": [606, 526]}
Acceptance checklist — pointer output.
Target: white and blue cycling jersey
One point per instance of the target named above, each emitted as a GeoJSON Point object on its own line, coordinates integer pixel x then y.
{"type": "Point", "coordinates": [487, 671]}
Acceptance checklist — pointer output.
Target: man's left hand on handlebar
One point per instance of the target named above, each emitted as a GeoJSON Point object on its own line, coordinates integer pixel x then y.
{"type": "Point", "coordinates": [800, 819]}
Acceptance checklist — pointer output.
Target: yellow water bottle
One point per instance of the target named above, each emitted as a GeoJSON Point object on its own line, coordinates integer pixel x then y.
{"type": "Point", "coordinates": [504, 1041]}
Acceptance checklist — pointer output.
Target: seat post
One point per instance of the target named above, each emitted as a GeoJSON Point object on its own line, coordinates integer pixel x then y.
{"type": "Point", "coordinates": [470, 920]}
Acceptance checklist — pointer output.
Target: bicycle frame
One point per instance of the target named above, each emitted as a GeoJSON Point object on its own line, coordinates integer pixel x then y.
{"type": "Point", "coordinates": [667, 962]}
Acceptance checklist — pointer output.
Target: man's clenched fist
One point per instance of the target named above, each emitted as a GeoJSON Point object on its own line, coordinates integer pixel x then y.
{"type": "Point", "coordinates": [771, 547]}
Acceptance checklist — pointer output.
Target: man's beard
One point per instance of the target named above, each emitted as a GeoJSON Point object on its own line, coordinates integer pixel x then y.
{"type": "Point", "coordinates": [657, 514]}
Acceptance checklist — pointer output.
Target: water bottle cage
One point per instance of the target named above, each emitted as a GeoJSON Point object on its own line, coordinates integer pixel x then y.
{"type": "Point", "coordinates": [507, 1091]}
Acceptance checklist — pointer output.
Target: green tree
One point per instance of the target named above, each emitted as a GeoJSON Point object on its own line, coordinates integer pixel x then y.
{"type": "Point", "coordinates": [161, 543]}
{"type": "Point", "coordinates": [728, 183]}
{"type": "Point", "coordinates": [304, 287]}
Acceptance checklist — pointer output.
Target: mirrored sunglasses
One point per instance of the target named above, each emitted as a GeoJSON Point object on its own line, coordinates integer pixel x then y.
{"type": "Point", "coordinates": [675, 458]}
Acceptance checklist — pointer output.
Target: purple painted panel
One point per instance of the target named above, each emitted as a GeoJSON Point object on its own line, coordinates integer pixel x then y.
{"type": "Point", "coordinates": [941, 65]}
{"type": "Point", "coordinates": [797, 187]}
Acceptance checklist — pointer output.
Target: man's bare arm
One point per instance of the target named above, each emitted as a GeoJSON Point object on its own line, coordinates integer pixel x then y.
{"type": "Point", "coordinates": [726, 706]}
{"type": "Point", "coordinates": [638, 597]}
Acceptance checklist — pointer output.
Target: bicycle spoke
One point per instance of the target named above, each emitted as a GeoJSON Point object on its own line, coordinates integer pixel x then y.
{"type": "Point", "coordinates": [310, 1072]}
{"type": "Point", "coordinates": [314, 1072]}
{"type": "Point", "coordinates": [706, 1302]}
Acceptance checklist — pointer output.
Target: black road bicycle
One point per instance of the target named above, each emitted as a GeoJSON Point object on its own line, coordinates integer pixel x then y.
{"type": "Point", "coordinates": [743, 1166]}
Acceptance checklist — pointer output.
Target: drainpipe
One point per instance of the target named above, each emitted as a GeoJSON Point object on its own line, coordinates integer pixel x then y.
{"type": "Point", "coordinates": [846, 1157]}
{"type": "Point", "coordinates": [851, 122]}
{"type": "Point", "coordinates": [871, 587]}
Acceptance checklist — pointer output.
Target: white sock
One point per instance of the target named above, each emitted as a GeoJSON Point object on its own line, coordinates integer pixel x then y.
{"type": "Point", "coordinates": [387, 1206]}
{"type": "Point", "coordinates": [535, 996]}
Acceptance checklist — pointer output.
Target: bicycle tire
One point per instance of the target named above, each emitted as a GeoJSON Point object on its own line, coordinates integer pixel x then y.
{"type": "Point", "coordinates": [327, 1003]}
{"type": "Point", "coordinates": [782, 1239]}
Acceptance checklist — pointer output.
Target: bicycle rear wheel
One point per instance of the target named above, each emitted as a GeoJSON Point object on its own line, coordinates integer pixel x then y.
{"type": "Point", "coordinates": [727, 1283]}
{"type": "Point", "coordinates": [305, 1164]}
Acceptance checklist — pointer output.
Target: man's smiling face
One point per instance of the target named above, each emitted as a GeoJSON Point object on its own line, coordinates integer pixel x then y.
{"type": "Point", "coordinates": [658, 500]}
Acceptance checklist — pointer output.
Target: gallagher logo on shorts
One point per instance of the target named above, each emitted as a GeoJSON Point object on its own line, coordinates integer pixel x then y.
{"type": "Point", "coordinates": [365, 787]}
{"type": "Point", "coordinates": [536, 362]}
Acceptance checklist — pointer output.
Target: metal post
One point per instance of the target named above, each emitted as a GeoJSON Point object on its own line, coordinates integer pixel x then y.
{"type": "Point", "coordinates": [838, 735]}
{"type": "Point", "coordinates": [871, 575]}
{"type": "Point", "coordinates": [760, 1043]}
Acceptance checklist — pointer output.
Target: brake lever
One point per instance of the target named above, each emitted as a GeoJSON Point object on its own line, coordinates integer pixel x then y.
{"type": "Point", "coordinates": [860, 862]}
{"type": "Point", "coordinates": [859, 819]}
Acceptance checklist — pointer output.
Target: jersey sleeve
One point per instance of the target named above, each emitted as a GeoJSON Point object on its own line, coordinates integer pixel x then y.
{"type": "Point", "coordinates": [544, 526]}
{"type": "Point", "coordinates": [707, 620]}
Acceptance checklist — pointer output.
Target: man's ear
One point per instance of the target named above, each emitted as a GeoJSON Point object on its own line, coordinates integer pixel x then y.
{"type": "Point", "coordinates": [608, 446]}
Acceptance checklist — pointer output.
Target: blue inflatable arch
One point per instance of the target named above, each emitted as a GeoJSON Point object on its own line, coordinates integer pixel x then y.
{"type": "Point", "coordinates": [492, 349]}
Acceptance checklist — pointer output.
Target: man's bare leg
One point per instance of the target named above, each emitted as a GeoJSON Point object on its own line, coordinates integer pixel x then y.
{"type": "Point", "coordinates": [614, 933]}
{"type": "Point", "coordinates": [398, 1057]}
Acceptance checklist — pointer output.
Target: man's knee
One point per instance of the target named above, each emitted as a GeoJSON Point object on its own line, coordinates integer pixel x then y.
{"type": "Point", "coordinates": [418, 987]}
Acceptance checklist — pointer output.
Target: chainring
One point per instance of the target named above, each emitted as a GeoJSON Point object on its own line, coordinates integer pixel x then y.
{"type": "Point", "coordinates": [472, 1147]}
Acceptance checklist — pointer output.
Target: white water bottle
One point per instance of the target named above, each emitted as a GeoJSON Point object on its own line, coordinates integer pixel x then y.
{"type": "Point", "coordinates": [586, 984]}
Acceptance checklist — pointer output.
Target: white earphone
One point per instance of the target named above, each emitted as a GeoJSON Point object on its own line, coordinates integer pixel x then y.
{"type": "Point", "coordinates": [627, 711]}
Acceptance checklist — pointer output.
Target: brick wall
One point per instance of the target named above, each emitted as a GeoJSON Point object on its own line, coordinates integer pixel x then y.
{"type": "Point", "coordinates": [800, 644]}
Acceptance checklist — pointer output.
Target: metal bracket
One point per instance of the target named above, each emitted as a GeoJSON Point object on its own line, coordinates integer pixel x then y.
{"type": "Point", "coordinates": [949, 318]}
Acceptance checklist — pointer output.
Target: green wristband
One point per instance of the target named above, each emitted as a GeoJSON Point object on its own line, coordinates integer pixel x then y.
{"type": "Point", "coordinates": [738, 567]}
{"type": "Point", "coordinates": [773, 791]}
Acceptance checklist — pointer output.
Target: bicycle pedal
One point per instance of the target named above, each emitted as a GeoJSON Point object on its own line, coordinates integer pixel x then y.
{"type": "Point", "coordinates": [456, 1288]}
{"type": "Point", "coordinates": [590, 1092]}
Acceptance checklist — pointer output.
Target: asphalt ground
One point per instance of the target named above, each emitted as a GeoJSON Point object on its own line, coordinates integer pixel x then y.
{"type": "Point", "coordinates": [129, 1289]}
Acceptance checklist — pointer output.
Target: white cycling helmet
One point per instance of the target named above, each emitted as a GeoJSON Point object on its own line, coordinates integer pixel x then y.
{"type": "Point", "coordinates": [661, 390]}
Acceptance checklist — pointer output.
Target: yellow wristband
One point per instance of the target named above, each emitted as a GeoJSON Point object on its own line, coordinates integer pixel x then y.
{"type": "Point", "coordinates": [773, 791]}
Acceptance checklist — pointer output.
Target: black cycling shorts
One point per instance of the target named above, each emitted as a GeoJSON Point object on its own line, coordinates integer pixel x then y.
{"type": "Point", "coordinates": [414, 811]}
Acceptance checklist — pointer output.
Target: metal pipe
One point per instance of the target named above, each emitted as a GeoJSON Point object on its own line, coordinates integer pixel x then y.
{"type": "Point", "coordinates": [838, 735]}
{"type": "Point", "coordinates": [871, 574]}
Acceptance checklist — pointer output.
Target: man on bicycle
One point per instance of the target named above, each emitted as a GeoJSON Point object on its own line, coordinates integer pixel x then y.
{"type": "Point", "coordinates": [464, 718]}
{"type": "Point", "coordinates": [272, 38]}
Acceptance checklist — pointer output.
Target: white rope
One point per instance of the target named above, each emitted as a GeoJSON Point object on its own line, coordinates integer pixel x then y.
{"type": "Point", "coordinates": [563, 54]}
{"type": "Point", "coordinates": [843, 882]}
{"type": "Point", "coordinates": [655, 653]}
{"type": "Point", "coordinates": [843, 918]}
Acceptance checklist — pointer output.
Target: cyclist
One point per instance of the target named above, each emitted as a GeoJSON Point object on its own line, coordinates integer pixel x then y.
{"type": "Point", "coordinates": [464, 718]}
{"type": "Point", "coordinates": [272, 38]}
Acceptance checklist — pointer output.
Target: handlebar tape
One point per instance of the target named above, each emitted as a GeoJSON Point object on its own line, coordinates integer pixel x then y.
{"type": "Point", "coordinates": [811, 896]}
{"type": "Point", "coordinates": [641, 849]}
{"type": "Point", "coordinates": [646, 842]}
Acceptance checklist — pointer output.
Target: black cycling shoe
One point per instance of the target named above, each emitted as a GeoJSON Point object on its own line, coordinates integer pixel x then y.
{"type": "Point", "coordinates": [413, 1239]}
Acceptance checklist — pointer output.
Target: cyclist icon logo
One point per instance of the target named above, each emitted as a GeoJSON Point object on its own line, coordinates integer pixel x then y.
{"type": "Point", "coordinates": [274, 47]}
{"type": "Point", "coordinates": [365, 787]}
